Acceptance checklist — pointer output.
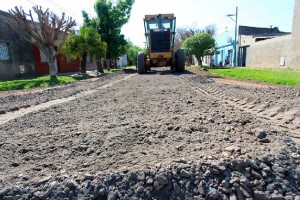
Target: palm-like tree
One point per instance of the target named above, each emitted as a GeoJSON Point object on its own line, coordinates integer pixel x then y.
{"type": "Point", "coordinates": [88, 41]}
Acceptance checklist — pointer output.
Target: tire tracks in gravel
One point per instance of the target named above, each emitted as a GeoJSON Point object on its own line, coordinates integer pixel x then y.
{"type": "Point", "coordinates": [280, 118]}
{"type": "Point", "coordinates": [23, 111]}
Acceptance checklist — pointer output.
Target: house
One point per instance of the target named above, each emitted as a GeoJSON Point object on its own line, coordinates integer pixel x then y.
{"type": "Point", "coordinates": [122, 61]}
{"type": "Point", "coordinates": [224, 49]}
{"type": "Point", "coordinates": [20, 58]}
{"type": "Point", "coordinates": [249, 36]}
{"type": "Point", "coordinates": [279, 52]}
{"type": "Point", "coordinates": [16, 54]}
{"type": "Point", "coordinates": [264, 47]}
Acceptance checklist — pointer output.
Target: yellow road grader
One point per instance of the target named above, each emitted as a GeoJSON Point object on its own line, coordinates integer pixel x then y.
{"type": "Point", "coordinates": [160, 36]}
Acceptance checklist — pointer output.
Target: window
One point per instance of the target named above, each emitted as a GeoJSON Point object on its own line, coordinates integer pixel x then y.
{"type": "Point", "coordinates": [152, 25]}
{"type": "Point", "coordinates": [4, 55]}
{"type": "Point", "coordinates": [166, 24]}
{"type": "Point", "coordinates": [43, 57]}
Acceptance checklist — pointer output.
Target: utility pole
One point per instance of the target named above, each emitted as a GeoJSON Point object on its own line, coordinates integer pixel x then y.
{"type": "Point", "coordinates": [235, 34]}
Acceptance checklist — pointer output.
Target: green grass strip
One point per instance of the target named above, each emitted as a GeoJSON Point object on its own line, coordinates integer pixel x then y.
{"type": "Point", "coordinates": [46, 81]}
{"type": "Point", "coordinates": [274, 76]}
{"type": "Point", "coordinates": [43, 81]}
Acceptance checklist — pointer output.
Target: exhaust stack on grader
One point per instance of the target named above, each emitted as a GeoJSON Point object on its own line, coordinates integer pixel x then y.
{"type": "Point", "coordinates": [160, 36]}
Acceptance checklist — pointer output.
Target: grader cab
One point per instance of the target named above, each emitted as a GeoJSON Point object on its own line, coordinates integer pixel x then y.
{"type": "Point", "coordinates": [160, 36]}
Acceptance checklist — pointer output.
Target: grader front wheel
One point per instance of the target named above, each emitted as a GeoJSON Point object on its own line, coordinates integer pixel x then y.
{"type": "Point", "coordinates": [180, 60]}
{"type": "Point", "coordinates": [141, 68]}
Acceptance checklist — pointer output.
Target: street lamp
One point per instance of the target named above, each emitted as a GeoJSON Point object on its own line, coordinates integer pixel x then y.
{"type": "Point", "coordinates": [235, 33]}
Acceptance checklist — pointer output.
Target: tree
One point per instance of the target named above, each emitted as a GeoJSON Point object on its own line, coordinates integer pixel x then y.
{"type": "Point", "coordinates": [110, 19]}
{"type": "Point", "coordinates": [199, 45]}
{"type": "Point", "coordinates": [183, 33]}
{"type": "Point", "coordinates": [87, 42]}
{"type": "Point", "coordinates": [211, 30]}
{"type": "Point", "coordinates": [132, 52]}
{"type": "Point", "coordinates": [48, 33]}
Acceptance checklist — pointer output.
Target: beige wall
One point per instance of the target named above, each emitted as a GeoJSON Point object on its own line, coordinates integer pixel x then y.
{"type": "Point", "coordinates": [296, 19]}
{"type": "Point", "coordinates": [295, 43]}
{"type": "Point", "coordinates": [246, 40]}
{"type": "Point", "coordinates": [267, 54]}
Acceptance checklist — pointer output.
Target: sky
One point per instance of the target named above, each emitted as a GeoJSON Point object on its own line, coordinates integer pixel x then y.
{"type": "Point", "coordinates": [189, 13]}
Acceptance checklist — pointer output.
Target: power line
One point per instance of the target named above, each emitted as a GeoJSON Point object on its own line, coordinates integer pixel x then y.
{"type": "Point", "coordinates": [251, 5]}
{"type": "Point", "coordinates": [253, 19]}
{"type": "Point", "coordinates": [62, 8]}
{"type": "Point", "coordinates": [34, 3]}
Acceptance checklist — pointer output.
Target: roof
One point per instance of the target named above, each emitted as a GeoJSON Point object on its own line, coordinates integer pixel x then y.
{"type": "Point", "coordinates": [261, 32]}
{"type": "Point", "coordinates": [4, 13]}
{"type": "Point", "coordinates": [162, 16]}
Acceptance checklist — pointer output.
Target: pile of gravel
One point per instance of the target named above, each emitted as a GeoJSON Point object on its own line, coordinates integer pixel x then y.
{"type": "Point", "coordinates": [271, 177]}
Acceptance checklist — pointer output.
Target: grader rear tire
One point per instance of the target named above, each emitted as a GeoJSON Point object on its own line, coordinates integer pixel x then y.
{"type": "Point", "coordinates": [141, 68]}
{"type": "Point", "coordinates": [180, 60]}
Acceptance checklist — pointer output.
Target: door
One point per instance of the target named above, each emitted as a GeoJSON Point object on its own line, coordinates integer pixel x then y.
{"type": "Point", "coordinates": [247, 56]}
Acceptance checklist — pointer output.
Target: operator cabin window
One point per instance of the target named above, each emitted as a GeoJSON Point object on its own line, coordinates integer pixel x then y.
{"type": "Point", "coordinates": [4, 55]}
{"type": "Point", "coordinates": [153, 25]}
{"type": "Point", "coordinates": [166, 24]}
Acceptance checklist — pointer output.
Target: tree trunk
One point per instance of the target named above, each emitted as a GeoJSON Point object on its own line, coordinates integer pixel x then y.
{"type": "Point", "coordinates": [104, 63]}
{"type": "Point", "coordinates": [51, 62]}
{"type": "Point", "coordinates": [83, 63]}
{"type": "Point", "coordinates": [111, 63]}
{"type": "Point", "coordinates": [99, 66]}
{"type": "Point", "coordinates": [116, 66]}
{"type": "Point", "coordinates": [108, 64]}
{"type": "Point", "coordinates": [190, 60]}
{"type": "Point", "coordinates": [52, 70]}
{"type": "Point", "coordinates": [199, 61]}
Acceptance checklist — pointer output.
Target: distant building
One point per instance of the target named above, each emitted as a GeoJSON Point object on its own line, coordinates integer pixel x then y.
{"type": "Point", "coordinates": [251, 35]}
{"type": "Point", "coordinates": [16, 54]}
{"type": "Point", "coordinates": [19, 57]}
{"type": "Point", "coordinates": [122, 61]}
{"type": "Point", "coordinates": [224, 49]}
{"type": "Point", "coordinates": [247, 37]}
{"type": "Point", "coordinates": [279, 52]}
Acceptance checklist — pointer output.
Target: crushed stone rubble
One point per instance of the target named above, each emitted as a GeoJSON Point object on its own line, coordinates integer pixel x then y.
{"type": "Point", "coordinates": [270, 177]}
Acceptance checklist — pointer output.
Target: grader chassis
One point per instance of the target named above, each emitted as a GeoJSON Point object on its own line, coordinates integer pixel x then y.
{"type": "Point", "coordinates": [160, 36]}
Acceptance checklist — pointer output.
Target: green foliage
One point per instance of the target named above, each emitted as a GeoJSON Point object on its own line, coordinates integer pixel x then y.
{"type": "Point", "coordinates": [274, 76]}
{"type": "Point", "coordinates": [88, 41]}
{"type": "Point", "coordinates": [110, 71]}
{"type": "Point", "coordinates": [110, 18]}
{"type": "Point", "coordinates": [132, 52]}
{"type": "Point", "coordinates": [44, 81]}
{"type": "Point", "coordinates": [199, 45]}
{"type": "Point", "coordinates": [132, 67]}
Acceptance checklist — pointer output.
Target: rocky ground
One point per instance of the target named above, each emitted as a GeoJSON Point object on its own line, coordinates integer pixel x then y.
{"type": "Point", "coordinates": [155, 136]}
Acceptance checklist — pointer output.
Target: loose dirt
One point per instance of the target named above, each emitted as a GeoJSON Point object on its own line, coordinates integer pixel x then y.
{"type": "Point", "coordinates": [128, 122]}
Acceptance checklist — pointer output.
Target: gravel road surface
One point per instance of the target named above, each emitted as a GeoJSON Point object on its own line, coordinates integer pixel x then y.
{"type": "Point", "coordinates": [124, 136]}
